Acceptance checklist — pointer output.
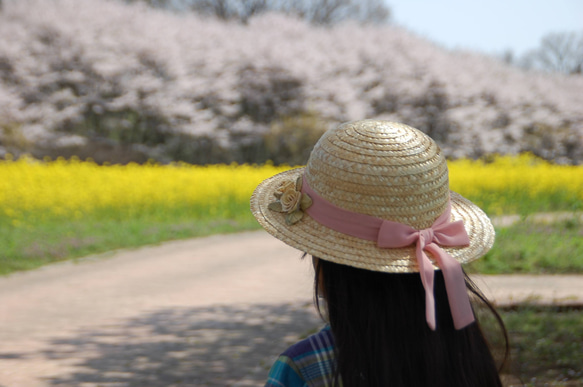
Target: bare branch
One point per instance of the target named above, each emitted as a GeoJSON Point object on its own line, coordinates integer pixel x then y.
{"type": "Point", "coordinates": [321, 12]}
{"type": "Point", "coordinates": [558, 52]}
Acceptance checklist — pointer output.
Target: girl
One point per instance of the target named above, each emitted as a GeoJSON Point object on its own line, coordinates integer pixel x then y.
{"type": "Point", "coordinates": [387, 237]}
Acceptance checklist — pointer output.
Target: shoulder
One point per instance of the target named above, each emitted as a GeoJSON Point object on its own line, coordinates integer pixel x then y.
{"type": "Point", "coordinates": [284, 373]}
{"type": "Point", "coordinates": [306, 363]}
{"type": "Point", "coordinates": [317, 345]}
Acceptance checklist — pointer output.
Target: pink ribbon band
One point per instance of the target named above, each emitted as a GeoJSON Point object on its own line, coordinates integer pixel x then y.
{"type": "Point", "coordinates": [389, 234]}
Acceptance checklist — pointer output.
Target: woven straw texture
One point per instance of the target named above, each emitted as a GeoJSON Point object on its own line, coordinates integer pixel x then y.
{"type": "Point", "coordinates": [383, 169]}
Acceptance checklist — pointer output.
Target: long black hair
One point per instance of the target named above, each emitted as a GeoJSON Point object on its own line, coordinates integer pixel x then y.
{"type": "Point", "coordinates": [381, 334]}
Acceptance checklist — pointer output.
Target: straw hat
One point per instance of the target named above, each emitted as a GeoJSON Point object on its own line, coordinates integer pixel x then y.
{"type": "Point", "coordinates": [383, 169]}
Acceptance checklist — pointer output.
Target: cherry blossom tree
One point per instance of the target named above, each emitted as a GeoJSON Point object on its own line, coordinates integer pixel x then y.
{"type": "Point", "coordinates": [81, 75]}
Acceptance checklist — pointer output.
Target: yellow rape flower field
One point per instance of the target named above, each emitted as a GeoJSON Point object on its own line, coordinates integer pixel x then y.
{"type": "Point", "coordinates": [521, 184]}
{"type": "Point", "coordinates": [52, 210]}
{"type": "Point", "coordinates": [32, 191]}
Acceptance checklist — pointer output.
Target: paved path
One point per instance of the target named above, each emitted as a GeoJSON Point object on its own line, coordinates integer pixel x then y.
{"type": "Point", "coordinates": [204, 312]}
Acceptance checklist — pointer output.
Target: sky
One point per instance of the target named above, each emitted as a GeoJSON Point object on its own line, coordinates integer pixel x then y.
{"type": "Point", "coordinates": [492, 26]}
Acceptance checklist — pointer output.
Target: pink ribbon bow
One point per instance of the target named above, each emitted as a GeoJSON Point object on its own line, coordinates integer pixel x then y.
{"type": "Point", "coordinates": [389, 234]}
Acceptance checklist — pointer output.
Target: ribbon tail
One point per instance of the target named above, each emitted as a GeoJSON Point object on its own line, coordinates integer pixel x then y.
{"type": "Point", "coordinates": [455, 285]}
{"type": "Point", "coordinates": [427, 275]}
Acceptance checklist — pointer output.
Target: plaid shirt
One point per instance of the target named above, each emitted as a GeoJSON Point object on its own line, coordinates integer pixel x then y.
{"type": "Point", "coordinates": [308, 363]}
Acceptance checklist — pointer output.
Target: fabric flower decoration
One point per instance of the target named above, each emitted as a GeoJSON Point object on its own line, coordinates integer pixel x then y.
{"type": "Point", "coordinates": [291, 201]}
{"type": "Point", "coordinates": [284, 186]}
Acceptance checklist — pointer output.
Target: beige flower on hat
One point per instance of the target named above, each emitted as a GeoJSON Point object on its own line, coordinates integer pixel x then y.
{"type": "Point", "coordinates": [291, 201]}
{"type": "Point", "coordinates": [284, 186]}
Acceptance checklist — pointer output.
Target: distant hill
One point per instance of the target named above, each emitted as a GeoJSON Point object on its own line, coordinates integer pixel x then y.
{"type": "Point", "coordinates": [119, 83]}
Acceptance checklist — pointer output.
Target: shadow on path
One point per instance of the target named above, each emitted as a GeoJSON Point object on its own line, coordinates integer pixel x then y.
{"type": "Point", "coordinates": [209, 346]}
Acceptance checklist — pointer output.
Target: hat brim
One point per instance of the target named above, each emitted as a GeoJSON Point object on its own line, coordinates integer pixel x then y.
{"type": "Point", "coordinates": [317, 240]}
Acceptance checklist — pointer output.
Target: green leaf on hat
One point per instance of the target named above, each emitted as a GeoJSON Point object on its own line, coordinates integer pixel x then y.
{"type": "Point", "coordinates": [294, 217]}
{"type": "Point", "coordinates": [306, 202]}
{"type": "Point", "coordinates": [275, 206]}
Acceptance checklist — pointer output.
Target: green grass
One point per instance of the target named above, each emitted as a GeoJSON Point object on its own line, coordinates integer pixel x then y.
{"type": "Point", "coordinates": [526, 247]}
{"type": "Point", "coordinates": [535, 248]}
{"type": "Point", "coordinates": [546, 345]}
{"type": "Point", "coordinates": [26, 248]}
{"type": "Point", "coordinates": [517, 200]}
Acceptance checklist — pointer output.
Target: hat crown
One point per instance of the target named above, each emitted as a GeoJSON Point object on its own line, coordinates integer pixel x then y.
{"type": "Point", "coordinates": [383, 169]}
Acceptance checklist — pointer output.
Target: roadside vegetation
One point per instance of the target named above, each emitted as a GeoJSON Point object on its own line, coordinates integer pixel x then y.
{"type": "Point", "coordinates": [51, 211]}
{"type": "Point", "coordinates": [65, 209]}
{"type": "Point", "coordinates": [546, 344]}
{"type": "Point", "coordinates": [535, 247]}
